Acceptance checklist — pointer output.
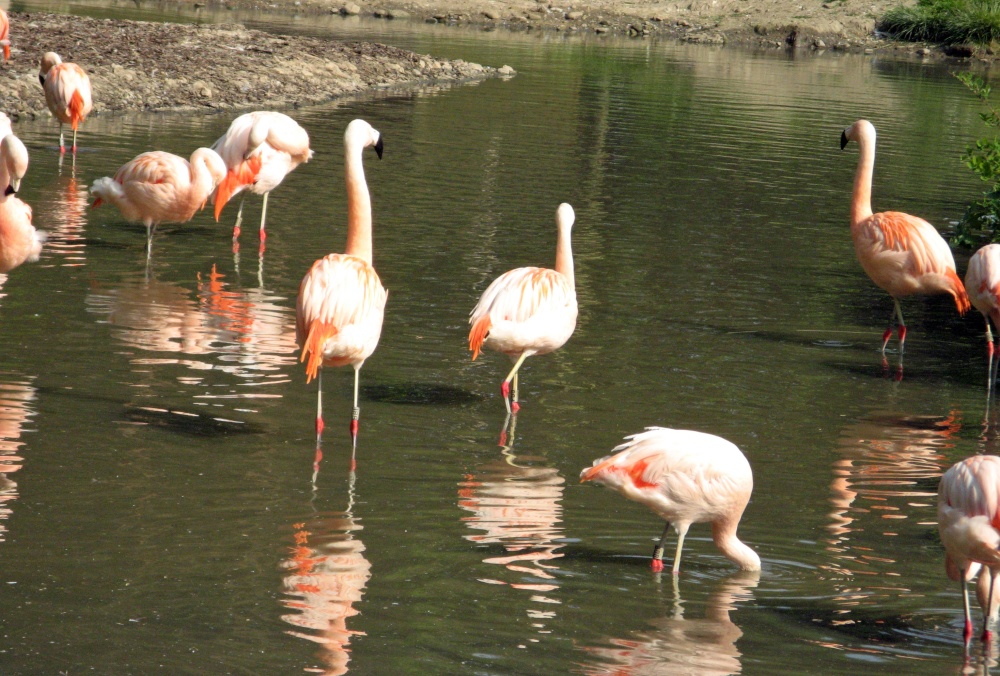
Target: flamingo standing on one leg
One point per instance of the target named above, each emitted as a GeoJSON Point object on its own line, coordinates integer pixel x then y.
{"type": "Point", "coordinates": [528, 311]}
{"type": "Point", "coordinates": [341, 300]}
{"type": "Point", "coordinates": [159, 187]}
{"type": "Point", "coordinates": [901, 253]}
{"type": "Point", "coordinates": [5, 34]}
{"type": "Point", "coordinates": [67, 93]}
{"type": "Point", "coordinates": [259, 149]}
{"type": "Point", "coordinates": [19, 241]}
{"type": "Point", "coordinates": [969, 524]}
{"type": "Point", "coordinates": [686, 477]}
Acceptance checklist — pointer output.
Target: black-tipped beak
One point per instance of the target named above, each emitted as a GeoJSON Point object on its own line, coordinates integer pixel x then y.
{"type": "Point", "coordinates": [9, 191]}
{"type": "Point", "coordinates": [379, 147]}
{"type": "Point", "coordinates": [843, 139]}
{"type": "Point", "coordinates": [41, 79]}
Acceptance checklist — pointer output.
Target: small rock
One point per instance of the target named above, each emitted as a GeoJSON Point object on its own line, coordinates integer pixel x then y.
{"type": "Point", "coordinates": [657, 19]}
{"type": "Point", "coordinates": [506, 70]}
{"type": "Point", "coordinates": [600, 30]}
{"type": "Point", "coordinates": [574, 16]}
{"type": "Point", "coordinates": [350, 9]}
{"type": "Point", "coordinates": [397, 14]}
{"type": "Point", "coordinates": [491, 15]}
{"type": "Point", "coordinates": [869, 50]}
{"type": "Point", "coordinates": [380, 13]}
{"type": "Point", "coordinates": [201, 89]}
{"type": "Point", "coordinates": [682, 23]}
{"type": "Point", "coordinates": [819, 44]}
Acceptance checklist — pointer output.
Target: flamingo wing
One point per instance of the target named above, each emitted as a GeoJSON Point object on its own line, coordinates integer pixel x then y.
{"type": "Point", "coordinates": [67, 93]}
{"type": "Point", "coordinates": [982, 280]}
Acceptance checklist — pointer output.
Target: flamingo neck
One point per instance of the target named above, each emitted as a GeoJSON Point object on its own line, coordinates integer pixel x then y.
{"type": "Point", "coordinates": [724, 535]}
{"type": "Point", "coordinates": [861, 199]}
{"type": "Point", "coordinates": [359, 205]}
{"type": "Point", "coordinates": [564, 255]}
{"type": "Point", "coordinates": [202, 183]}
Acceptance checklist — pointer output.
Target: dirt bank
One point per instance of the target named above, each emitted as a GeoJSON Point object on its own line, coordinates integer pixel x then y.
{"type": "Point", "coordinates": [152, 66]}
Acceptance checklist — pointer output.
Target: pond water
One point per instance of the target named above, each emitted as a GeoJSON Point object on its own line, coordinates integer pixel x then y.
{"type": "Point", "coordinates": [157, 505]}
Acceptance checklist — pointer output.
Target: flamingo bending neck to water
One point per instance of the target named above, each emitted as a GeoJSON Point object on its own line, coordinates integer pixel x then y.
{"type": "Point", "coordinates": [686, 477]}
{"type": "Point", "coordinates": [903, 254]}
{"type": "Point", "coordinates": [19, 241]}
{"type": "Point", "coordinates": [528, 311]}
{"type": "Point", "coordinates": [341, 300]}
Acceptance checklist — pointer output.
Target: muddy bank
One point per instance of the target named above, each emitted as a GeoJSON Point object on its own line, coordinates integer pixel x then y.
{"type": "Point", "coordinates": [154, 66]}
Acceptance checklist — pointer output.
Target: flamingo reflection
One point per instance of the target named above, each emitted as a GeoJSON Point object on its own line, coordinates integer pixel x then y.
{"type": "Point", "coordinates": [678, 646]}
{"type": "Point", "coordinates": [326, 575]}
{"type": "Point", "coordinates": [517, 502]}
{"type": "Point", "coordinates": [246, 333]}
{"type": "Point", "coordinates": [884, 482]}
{"type": "Point", "coordinates": [16, 408]}
{"type": "Point", "coordinates": [65, 217]}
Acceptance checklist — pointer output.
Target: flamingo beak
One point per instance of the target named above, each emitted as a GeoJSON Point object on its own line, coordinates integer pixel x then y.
{"type": "Point", "coordinates": [379, 147]}
{"type": "Point", "coordinates": [843, 139]}
{"type": "Point", "coordinates": [41, 79]}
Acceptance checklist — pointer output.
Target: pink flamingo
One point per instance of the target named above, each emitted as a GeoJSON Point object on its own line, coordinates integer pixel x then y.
{"type": "Point", "coordinates": [5, 34]}
{"type": "Point", "coordinates": [528, 311]}
{"type": "Point", "coordinates": [686, 477]}
{"type": "Point", "coordinates": [19, 241]}
{"type": "Point", "coordinates": [158, 187]}
{"type": "Point", "coordinates": [67, 93]}
{"type": "Point", "coordinates": [341, 300]}
{"type": "Point", "coordinates": [969, 524]}
{"type": "Point", "coordinates": [901, 253]}
{"type": "Point", "coordinates": [259, 149]}
{"type": "Point", "coordinates": [982, 281]}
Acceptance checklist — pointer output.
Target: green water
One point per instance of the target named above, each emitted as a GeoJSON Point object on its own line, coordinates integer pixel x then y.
{"type": "Point", "coordinates": [157, 509]}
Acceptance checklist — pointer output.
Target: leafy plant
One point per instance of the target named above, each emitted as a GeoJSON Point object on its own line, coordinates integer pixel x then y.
{"type": "Point", "coordinates": [946, 21]}
{"type": "Point", "coordinates": [982, 219]}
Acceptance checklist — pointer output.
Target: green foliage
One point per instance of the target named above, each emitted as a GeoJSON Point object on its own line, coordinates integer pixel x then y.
{"type": "Point", "coordinates": [981, 221]}
{"type": "Point", "coordinates": [945, 21]}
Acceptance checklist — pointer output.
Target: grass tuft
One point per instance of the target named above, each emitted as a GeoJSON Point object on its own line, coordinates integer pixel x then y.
{"type": "Point", "coordinates": [945, 21]}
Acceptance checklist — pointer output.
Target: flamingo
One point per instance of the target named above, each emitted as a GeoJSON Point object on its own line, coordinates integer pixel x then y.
{"type": "Point", "coordinates": [982, 281]}
{"type": "Point", "coordinates": [341, 300]}
{"type": "Point", "coordinates": [901, 253]}
{"type": "Point", "coordinates": [158, 187]}
{"type": "Point", "coordinates": [969, 524]}
{"type": "Point", "coordinates": [528, 311]}
{"type": "Point", "coordinates": [5, 34]}
{"type": "Point", "coordinates": [67, 93]}
{"type": "Point", "coordinates": [686, 477]}
{"type": "Point", "coordinates": [259, 149]}
{"type": "Point", "coordinates": [19, 241]}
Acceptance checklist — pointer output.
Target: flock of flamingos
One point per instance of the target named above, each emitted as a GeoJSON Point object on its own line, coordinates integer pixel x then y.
{"type": "Point", "coordinates": [684, 476]}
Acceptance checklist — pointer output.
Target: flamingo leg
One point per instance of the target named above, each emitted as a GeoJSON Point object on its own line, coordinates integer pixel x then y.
{"type": "Point", "coordinates": [239, 217]}
{"type": "Point", "coordinates": [967, 631]}
{"type": "Point", "coordinates": [355, 415]}
{"type": "Point", "coordinates": [150, 231]}
{"type": "Point", "coordinates": [987, 634]}
{"type": "Point", "coordinates": [989, 338]}
{"type": "Point", "coordinates": [263, 215]}
{"type": "Point", "coordinates": [319, 405]}
{"type": "Point", "coordinates": [514, 406]}
{"type": "Point", "coordinates": [902, 326]}
{"type": "Point", "coordinates": [681, 532]}
{"type": "Point", "coordinates": [74, 141]}
{"type": "Point", "coordinates": [62, 143]}
{"type": "Point", "coordinates": [657, 562]}
{"type": "Point", "coordinates": [505, 385]}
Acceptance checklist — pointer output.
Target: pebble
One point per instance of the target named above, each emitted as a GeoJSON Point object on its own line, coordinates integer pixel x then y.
{"type": "Point", "coordinates": [491, 15]}
{"type": "Point", "coordinates": [574, 16]}
{"type": "Point", "coordinates": [350, 9]}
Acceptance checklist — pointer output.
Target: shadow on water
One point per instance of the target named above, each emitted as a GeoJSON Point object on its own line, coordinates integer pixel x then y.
{"type": "Point", "coordinates": [185, 422]}
{"type": "Point", "coordinates": [419, 394]}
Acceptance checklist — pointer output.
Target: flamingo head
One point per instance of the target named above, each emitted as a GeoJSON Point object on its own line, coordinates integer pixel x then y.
{"type": "Point", "coordinates": [258, 136]}
{"type": "Point", "coordinates": [565, 216]}
{"type": "Point", "coordinates": [14, 157]}
{"type": "Point", "coordinates": [213, 162]}
{"type": "Point", "coordinates": [49, 61]}
{"type": "Point", "coordinates": [363, 134]}
{"type": "Point", "coordinates": [861, 131]}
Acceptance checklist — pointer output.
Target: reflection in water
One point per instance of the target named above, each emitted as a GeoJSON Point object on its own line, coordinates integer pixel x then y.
{"type": "Point", "coordinates": [887, 473]}
{"type": "Point", "coordinates": [517, 502]}
{"type": "Point", "coordinates": [65, 216]}
{"type": "Point", "coordinates": [326, 576]}
{"type": "Point", "coordinates": [677, 646]}
{"type": "Point", "coordinates": [248, 332]}
{"type": "Point", "coordinates": [16, 396]}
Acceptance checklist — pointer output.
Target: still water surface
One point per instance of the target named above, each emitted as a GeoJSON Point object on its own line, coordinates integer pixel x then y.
{"type": "Point", "coordinates": [157, 510]}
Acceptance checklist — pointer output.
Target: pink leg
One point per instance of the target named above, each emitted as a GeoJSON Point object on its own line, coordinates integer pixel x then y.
{"type": "Point", "coordinates": [902, 337]}
{"type": "Point", "coordinates": [885, 338]}
{"type": "Point", "coordinates": [319, 406]}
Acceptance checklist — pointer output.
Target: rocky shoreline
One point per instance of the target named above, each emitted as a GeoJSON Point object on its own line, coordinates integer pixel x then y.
{"type": "Point", "coordinates": [136, 66]}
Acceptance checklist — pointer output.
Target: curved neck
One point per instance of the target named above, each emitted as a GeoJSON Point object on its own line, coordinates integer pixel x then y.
{"type": "Point", "coordinates": [861, 199]}
{"type": "Point", "coordinates": [564, 255]}
{"type": "Point", "coordinates": [202, 181]}
{"type": "Point", "coordinates": [724, 535]}
{"type": "Point", "coordinates": [359, 205]}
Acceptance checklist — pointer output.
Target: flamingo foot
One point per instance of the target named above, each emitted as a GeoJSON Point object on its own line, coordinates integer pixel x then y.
{"type": "Point", "coordinates": [263, 234]}
{"type": "Point", "coordinates": [62, 150]}
{"type": "Point", "coordinates": [354, 429]}
{"type": "Point", "coordinates": [902, 337]}
{"type": "Point", "coordinates": [967, 632]}
{"type": "Point", "coordinates": [656, 565]}
{"type": "Point", "coordinates": [885, 338]}
{"type": "Point", "coordinates": [503, 438]}
{"type": "Point", "coordinates": [505, 389]}
{"type": "Point", "coordinates": [319, 426]}
{"type": "Point", "coordinates": [987, 636]}
{"type": "Point", "coordinates": [515, 407]}
{"type": "Point", "coordinates": [236, 233]}
{"type": "Point", "coordinates": [989, 348]}
{"type": "Point", "coordinates": [74, 149]}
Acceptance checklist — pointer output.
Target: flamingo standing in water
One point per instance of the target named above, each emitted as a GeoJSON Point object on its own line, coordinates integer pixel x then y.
{"type": "Point", "coordinates": [901, 253]}
{"type": "Point", "coordinates": [969, 524]}
{"type": "Point", "coordinates": [19, 241]}
{"type": "Point", "coordinates": [686, 477]}
{"type": "Point", "coordinates": [260, 149]}
{"type": "Point", "coordinates": [67, 93]}
{"type": "Point", "coordinates": [982, 281]}
{"type": "Point", "coordinates": [341, 300]}
{"type": "Point", "coordinates": [528, 311]}
{"type": "Point", "coordinates": [158, 187]}
{"type": "Point", "coordinates": [5, 34]}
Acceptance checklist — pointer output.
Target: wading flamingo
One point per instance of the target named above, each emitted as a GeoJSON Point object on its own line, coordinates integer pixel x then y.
{"type": "Point", "coordinates": [341, 300]}
{"type": "Point", "coordinates": [528, 311]}
{"type": "Point", "coordinates": [968, 520]}
{"type": "Point", "coordinates": [901, 253]}
{"type": "Point", "coordinates": [259, 149]}
{"type": "Point", "coordinates": [19, 241]}
{"type": "Point", "coordinates": [5, 34]}
{"type": "Point", "coordinates": [67, 93]}
{"type": "Point", "coordinates": [158, 187]}
{"type": "Point", "coordinates": [982, 281]}
{"type": "Point", "coordinates": [686, 477]}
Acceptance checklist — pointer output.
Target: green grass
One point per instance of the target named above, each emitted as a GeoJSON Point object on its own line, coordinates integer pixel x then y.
{"type": "Point", "coordinates": [945, 21]}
